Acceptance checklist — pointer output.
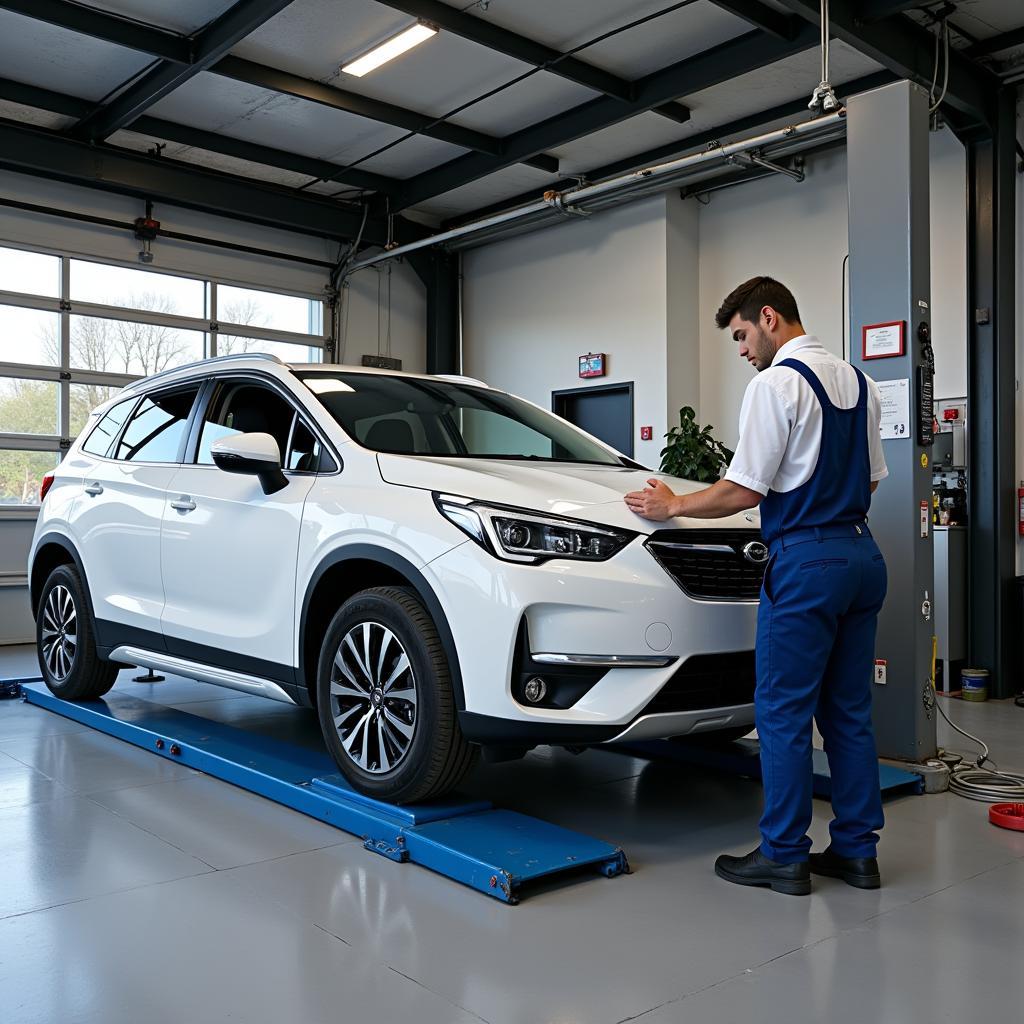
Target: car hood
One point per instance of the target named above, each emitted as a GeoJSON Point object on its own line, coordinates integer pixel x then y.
{"type": "Point", "coordinates": [592, 493]}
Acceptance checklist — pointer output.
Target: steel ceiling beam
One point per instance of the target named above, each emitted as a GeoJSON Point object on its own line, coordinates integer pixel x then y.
{"type": "Point", "coordinates": [908, 50]}
{"type": "Point", "coordinates": [208, 46]}
{"type": "Point", "coordinates": [760, 121]}
{"type": "Point", "coordinates": [529, 51]}
{"type": "Point", "coordinates": [51, 155]}
{"type": "Point", "coordinates": [284, 82]}
{"type": "Point", "coordinates": [111, 28]}
{"type": "Point", "coordinates": [166, 45]}
{"type": "Point", "coordinates": [170, 131]}
{"type": "Point", "coordinates": [869, 11]}
{"type": "Point", "coordinates": [760, 15]}
{"type": "Point", "coordinates": [706, 69]}
{"type": "Point", "coordinates": [995, 44]}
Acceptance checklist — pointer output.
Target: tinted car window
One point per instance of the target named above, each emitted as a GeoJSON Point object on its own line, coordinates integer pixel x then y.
{"type": "Point", "coordinates": [418, 416]}
{"type": "Point", "coordinates": [156, 430]}
{"type": "Point", "coordinates": [305, 452]}
{"type": "Point", "coordinates": [244, 408]}
{"type": "Point", "coordinates": [100, 440]}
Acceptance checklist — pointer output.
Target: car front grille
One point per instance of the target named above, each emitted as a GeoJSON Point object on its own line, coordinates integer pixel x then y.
{"type": "Point", "coordinates": [710, 564]}
{"type": "Point", "coordinates": [707, 681]}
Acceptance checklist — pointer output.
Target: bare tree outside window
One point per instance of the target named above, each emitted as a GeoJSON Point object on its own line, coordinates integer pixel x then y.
{"type": "Point", "coordinates": [30, 334]}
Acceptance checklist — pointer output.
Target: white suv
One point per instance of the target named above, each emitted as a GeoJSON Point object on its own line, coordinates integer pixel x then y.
{"type": "Point", "coordinates": [438, 567]}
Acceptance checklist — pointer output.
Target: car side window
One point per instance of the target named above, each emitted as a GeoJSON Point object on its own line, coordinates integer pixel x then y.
{"type": "Point", "coordinates": [243, 407]}
{"type": "Point", "coordinates": [304, 454]}
{"type": "Point", "coordinates": [103, 434]}
{"type": "Point", "coordinates": [157, 428]}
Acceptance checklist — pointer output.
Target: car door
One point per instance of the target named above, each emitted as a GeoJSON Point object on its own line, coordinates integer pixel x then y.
{"type": "Point", "coordinates": [118, 518]}
{"type": "Point", "coordinates": [228, 550]}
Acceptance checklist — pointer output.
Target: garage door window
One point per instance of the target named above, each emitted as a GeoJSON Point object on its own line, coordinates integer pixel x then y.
{"type": "Point", "coordinates": [74, 331]}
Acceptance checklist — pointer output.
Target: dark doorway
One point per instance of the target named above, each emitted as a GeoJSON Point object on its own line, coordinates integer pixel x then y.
{"type": "Point", "coordinates": [606, 411]}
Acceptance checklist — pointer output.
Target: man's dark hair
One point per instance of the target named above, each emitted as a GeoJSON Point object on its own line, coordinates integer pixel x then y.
{"type": "Point", "coordinates": [752, 296]}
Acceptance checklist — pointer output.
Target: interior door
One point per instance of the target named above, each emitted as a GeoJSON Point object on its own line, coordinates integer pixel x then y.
{"type": "Point", "coordinates": [228, 550]}
{"type": "Point", "coordinates": [606, 411]}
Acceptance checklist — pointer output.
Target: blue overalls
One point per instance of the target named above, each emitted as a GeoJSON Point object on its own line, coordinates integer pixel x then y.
{"type": "Point", "coordinates": [823, 588]}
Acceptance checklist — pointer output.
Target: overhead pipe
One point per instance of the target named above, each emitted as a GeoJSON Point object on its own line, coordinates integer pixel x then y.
{"type": "Point", "coordinates": [581, 200]}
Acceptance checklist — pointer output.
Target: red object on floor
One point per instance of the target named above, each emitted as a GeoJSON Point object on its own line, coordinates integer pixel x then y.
{"type": "Point", "coordinates": [1007, 816]}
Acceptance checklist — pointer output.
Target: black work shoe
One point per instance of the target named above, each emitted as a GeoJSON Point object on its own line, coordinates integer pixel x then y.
{"type": "Point", "coordinates": [757, 869]}
{"type": "Point", "coordinates": [861, 872]}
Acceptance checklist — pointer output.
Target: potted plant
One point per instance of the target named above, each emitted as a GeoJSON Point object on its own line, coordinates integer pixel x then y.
{"type": "Point", "coordinates": [692, 453]}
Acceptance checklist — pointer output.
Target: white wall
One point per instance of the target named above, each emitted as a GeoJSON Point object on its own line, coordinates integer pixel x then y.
{"type": "Point", "coordinates": [643, 282]}
{"type": "Point", "coordinates": [363, 327]}
{"type": "Point", "coordinates": [532, 305]}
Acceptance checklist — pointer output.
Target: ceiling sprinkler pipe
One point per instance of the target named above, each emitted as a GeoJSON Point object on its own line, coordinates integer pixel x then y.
{"type": "Point", "coordinates": [647, 180]}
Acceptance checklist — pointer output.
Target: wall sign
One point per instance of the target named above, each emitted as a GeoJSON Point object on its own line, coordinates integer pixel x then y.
{"type": "Point", "coordinates": [883, 341]}
{"type": "Point", "coordinates": [895, 396]}
{"type": "Point", "coordinates": [593, 364]}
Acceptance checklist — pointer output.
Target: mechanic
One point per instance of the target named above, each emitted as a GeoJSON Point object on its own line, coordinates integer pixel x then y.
{"type": "Point", "coordinates": [810, 453]}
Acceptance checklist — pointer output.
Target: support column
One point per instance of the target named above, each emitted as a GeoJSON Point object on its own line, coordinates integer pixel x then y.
{"type": "Point", "coordinates": [439, 272]}
{"type": "Point", "coordinates": [887, 150]}
{"type": "Point", "coordinates": [993, 636]}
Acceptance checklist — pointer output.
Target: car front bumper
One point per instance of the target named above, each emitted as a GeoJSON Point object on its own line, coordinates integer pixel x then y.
{"type": "Point", "coordinates": [626, 612]}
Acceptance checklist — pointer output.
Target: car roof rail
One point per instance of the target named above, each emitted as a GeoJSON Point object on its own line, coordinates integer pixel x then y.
{"type": "Point", "coordinates": [212, 361]}
{"type": "Point", "coordinates": [460, 378]}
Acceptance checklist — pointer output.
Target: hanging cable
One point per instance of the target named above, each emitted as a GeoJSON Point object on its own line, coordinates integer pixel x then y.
{"type": "Point", "coordinates": [846, 259]}
{"type": "Point", "coordinates": [945, 73]}
{"type": "Point", "coordinates": [387, 299]}
{"type": "Point", "coordinates": [345, 306]}
{"type": "Point", "coordinates": [823, 99]}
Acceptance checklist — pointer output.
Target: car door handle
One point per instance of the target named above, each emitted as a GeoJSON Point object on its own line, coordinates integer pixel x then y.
{"type": "Point", "coordinates": [94, 489]}
{"type": "Point", "coordinates": [184, 504]}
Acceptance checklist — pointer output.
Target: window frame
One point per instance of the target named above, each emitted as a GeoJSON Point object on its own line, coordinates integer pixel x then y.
{"type": "Point", "coordinates": [184, 385]}
{"type": "Point", "coordinates": [64, 375]}
{"type": "Point", "coordinates": [202, 404]}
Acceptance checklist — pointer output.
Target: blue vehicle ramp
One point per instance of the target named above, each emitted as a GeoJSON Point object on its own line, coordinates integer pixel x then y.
{"type": "Point", "coordinates": [494, 851]}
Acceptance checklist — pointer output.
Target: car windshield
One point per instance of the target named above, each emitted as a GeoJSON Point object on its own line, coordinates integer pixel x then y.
{"type": "Point", "coordinates": [414, 416]}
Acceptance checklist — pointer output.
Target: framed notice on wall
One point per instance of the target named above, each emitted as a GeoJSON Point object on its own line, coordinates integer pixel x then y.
{"type": "Point", "coordinates": [883, 341]}
{"type": "Point", "coordinates": [592, 364]}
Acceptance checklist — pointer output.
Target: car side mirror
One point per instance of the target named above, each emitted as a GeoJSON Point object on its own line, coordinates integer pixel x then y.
{"type": "Point", "coordinates": [257, 454]}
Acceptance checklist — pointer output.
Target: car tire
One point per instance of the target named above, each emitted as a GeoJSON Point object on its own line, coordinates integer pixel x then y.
{"type": "Point", "coordinates": [66, 640]}
{"type": "Point", "coordinates": [393, 731]}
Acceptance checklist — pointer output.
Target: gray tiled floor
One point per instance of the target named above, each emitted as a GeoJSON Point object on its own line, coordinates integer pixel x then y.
{"type": "Point", "coordinates": [134, 889]}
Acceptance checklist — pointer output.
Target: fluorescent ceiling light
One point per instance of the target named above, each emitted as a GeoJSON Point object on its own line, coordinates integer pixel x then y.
{"type": "Point", "coordinates": [390, 49]}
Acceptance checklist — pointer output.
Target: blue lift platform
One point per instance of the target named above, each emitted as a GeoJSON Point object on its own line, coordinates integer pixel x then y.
{"type": "Point", "coordinates": [494, 851]}
{"type": "Point", "coordinates": [743, 757]}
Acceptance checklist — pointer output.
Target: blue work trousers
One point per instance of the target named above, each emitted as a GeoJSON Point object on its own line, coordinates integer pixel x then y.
{"type": "Point", "coordinates": [815, 655]}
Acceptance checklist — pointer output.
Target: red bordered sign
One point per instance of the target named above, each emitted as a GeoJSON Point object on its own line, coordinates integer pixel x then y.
{"type": "Point", "coordinates": [884, 341]}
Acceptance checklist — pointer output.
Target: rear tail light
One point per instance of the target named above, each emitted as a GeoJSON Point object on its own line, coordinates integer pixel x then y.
{"type": "Point", "coordinates": [45, 486]}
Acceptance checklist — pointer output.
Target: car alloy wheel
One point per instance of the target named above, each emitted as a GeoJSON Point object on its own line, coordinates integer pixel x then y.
{"type": "Point", "coordinates": [373, 697]}
{"type": "Point", "coordinates": [59, 632]}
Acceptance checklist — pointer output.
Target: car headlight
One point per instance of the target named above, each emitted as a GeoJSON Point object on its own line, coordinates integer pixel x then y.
{"type": "Point", "coordinates": [517, 535]}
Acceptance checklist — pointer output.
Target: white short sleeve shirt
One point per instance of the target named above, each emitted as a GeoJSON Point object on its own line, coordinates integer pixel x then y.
{"type": "Point", "coordinates": [780, 420]}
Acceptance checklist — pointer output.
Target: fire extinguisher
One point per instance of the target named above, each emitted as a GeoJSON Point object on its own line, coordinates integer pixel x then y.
{"type": "Point", "coordinates": [1020, 509]}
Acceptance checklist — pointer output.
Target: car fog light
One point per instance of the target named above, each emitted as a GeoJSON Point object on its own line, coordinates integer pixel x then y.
{"type": "Point", "coordinates": [536, 690]}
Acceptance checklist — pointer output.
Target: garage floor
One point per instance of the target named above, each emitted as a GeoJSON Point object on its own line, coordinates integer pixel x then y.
{"type": "Point", "coordinates": [134, 889]}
